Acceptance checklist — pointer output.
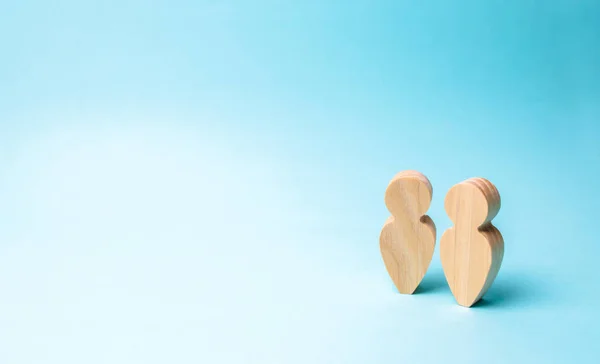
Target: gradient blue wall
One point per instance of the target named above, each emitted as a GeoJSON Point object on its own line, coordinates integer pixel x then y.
{"type": "Point", "coordinates": [202, 181]}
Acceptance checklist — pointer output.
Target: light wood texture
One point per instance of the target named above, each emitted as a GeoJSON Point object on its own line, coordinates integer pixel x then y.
{"type": "Point", "coordinates": [472, 250]}
{"type": "Point", "coordinates": [407, 240]}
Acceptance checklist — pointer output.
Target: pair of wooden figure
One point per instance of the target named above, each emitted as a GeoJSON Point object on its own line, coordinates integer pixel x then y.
{"type": "Point", "coordinates": [471, 251]}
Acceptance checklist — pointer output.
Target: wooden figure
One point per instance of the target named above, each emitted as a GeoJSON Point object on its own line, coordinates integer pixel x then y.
{"type": "Point", "coordinates": [407, 240]}
{"type": "Point", "coordinates": [472, 250]}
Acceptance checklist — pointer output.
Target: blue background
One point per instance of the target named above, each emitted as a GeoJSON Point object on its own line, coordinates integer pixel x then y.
{"type": "Point", "coordinates": [202, 181]}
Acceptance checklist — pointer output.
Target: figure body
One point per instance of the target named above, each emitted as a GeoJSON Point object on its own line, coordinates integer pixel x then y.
{"type": "Point", "coordinates": [472, 250]}
{"type": "Point", "coordinates": [407, 240]}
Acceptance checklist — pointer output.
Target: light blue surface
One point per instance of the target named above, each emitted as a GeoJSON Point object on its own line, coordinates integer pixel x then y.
{"type": "Point", "coordinates": [202, 182]}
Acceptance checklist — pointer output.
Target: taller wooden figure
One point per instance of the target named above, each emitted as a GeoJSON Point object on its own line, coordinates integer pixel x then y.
{"type": "Point", "coordinates": [407, 240]}
{"type": "Point", "coordinates": [472, 250]}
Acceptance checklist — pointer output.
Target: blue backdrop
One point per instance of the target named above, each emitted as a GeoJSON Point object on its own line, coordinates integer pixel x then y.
{"type": "Point", "coordinates": [202, 181]}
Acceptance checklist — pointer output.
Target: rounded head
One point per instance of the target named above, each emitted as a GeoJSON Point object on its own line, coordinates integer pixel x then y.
{"type": "Point", "coordinates": [475, 200]}
{"type": "Point", "coordinates": [408, 194]}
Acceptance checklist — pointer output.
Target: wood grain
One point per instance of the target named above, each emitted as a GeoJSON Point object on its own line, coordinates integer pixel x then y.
{"type": "Point", "coordinates": [472, 250]}
{"type": "Point", "coordinates": [407, 240]}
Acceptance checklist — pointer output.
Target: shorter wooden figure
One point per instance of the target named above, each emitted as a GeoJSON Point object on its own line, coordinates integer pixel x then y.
{"type": "Point", "coordinates": [407, 240]}
{"type": "Point", "coordinates": [472, 250]}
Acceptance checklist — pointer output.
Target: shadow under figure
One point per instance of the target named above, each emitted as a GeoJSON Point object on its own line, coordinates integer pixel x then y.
{"type": "Point", "coordinates": [432, 282]}
{"type": "Point", "coordinates": [514, 291]}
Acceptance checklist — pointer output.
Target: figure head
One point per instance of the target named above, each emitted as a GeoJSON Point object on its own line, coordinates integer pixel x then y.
{"type": "Point", "coordinates": [475, 201]}
{"type": "Point", "coordinates": [408, 194]}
